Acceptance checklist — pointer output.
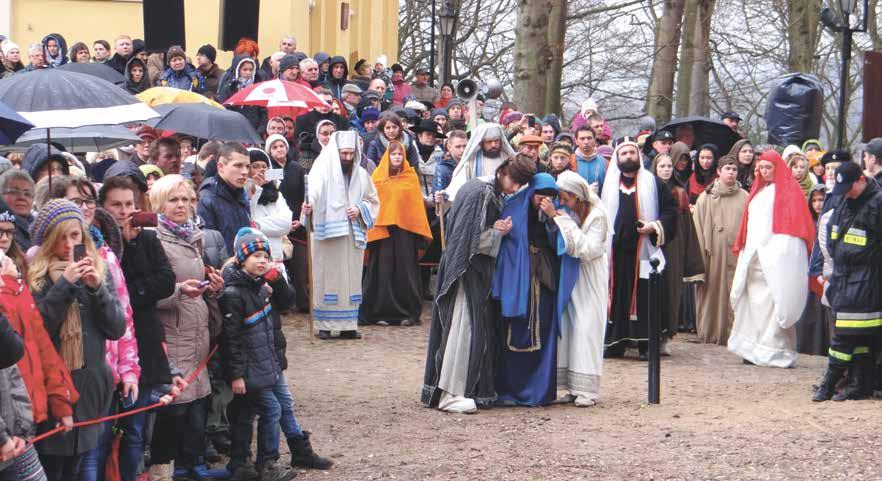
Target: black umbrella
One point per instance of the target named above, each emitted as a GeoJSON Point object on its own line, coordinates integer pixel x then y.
{"type": "Point", "coordinates": [96, 70]}
{"type": "Point", "coordinates": [205, 122]}
{"type": "Point", "coordinates": [53, 97]}
{"type": "Point", "coordinates": [12, 125]}
{"type": "Point", "coordinates": [706, 131]}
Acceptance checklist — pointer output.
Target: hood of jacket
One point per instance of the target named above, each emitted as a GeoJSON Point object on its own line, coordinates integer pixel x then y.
{"type": "Point", "coordinates": [144, 84]}
{"type": "Point", "coordinates": [38, 155]}
{"type": "Point", "coordinates": [62, 48]}
{"type": "Point", "coordinates": [127, 168]}
{"type": "Point", "coordinates": [334, 61]}
{"type": "Point", "coordinates": [236, 64]}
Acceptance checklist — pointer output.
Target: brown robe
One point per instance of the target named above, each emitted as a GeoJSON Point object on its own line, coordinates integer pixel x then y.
{"type": "Point", "coordinates": [717, 218]}
{"type": "Point", "coordinates": [682, 262]}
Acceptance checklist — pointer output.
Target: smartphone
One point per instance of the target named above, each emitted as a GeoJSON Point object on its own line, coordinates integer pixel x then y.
{"type": "Point", "coordinates": [203, 284]}
{"type": "Point", "coordinates": [274, 174]}
{"type": "Point", "coordinates": [144, 219]}
{"type": "Point", "coordinates": [79, 252]}
{"type": "Point", "coordinates": [531, 120]}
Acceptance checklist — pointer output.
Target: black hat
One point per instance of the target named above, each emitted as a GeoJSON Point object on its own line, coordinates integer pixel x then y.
{"type": "Point", "coordinates": [397, 68]}
{"type": "Point", "coordinates": [422, 70]}
{"type": "Point", "coordinates": [874, 147]}
{"type": "Point", "coordinates": [731, 115]}
{"type": "Point", "coordinates": [663, 135]}
{"type": "Point", "coordinates": [428, 125]}
{"type": "Point", "coordinates": [138, 46]}
{"type": "Point", "coordinates": [359, 64]}
{"type": "Point", "coordinates": [836, 156]}
{"type": "Point", "coordinates": [288, 61]}
{"type": "Point", "coordinates": [846, 174]}
{"type": "Point", "coordinates": [209, 52]}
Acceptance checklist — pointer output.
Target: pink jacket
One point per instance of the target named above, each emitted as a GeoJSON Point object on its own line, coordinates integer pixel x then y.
{"type": "Point", "coordinates": [122, 354]}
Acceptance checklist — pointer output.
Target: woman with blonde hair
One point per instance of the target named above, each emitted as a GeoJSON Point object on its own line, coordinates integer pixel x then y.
{"type": "Point", "coordinates": [179, 430]}
{"type": "Point", "coordinates": [73, 292]}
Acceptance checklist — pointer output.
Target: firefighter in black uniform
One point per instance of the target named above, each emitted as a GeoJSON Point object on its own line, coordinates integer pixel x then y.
{"type": "Point", "coordinates": [854, 241]}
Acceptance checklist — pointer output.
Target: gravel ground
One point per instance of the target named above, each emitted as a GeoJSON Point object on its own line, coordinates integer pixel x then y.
{"type": "Point", "coordinates": [719, 419]}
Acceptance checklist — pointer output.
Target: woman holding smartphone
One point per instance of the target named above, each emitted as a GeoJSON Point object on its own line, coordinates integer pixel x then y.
{"type": "Point", "coordinates": [179, 430]}
{"type": "Point", "coordinates": [80, 314]}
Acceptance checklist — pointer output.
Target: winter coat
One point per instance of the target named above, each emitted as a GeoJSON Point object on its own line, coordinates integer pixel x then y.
{"type": "Point", "coordinates": [378, 147]}
{"type": "Point", "coordinates": [11, 345]}
{"type": "Point", "coordinates": [293, 185]}
{"type": "Point", "coordinates": [187, 79]}
{"type": "Point", "coordinates": [212, 77]}
{"type": "Point", "coordinates": [425, 93]}
{"type": "Point", "coordinates": [15, 408]}
{"type": "Point", "coordinates": [149, 277]}
{"type": "Point", "coordinates": [61, 58]}
{"type": "Point", "coordinates": [229, 85]}
{"type": "Point", "coordinates": [444, 172]}
{"type": "Point", "coordinates": [185, 319]}
{"type": "Point", "coordinates": [854, 241]}
{"type": "Point", "coordinates": [122, 354]}
{"type": "Point", "coordinates": [223, 208]}
{"type": "Point", "coordinates": [133, 87]}
{"type": "Point", "coordinates": [49, 385]}
{"type": "Point", "coordinates": [335, 85]}
{"type": "Point", "coordinates": [38, 155]}
{"type": "Point", "coordinates": [304, 125]}
{"type": "Point", "coordinates": [273, 219]}
{"type": "Point", "coordinates": [214, 251]}
{"type": "Point", "coordinates": [118, 63]}
{"type": "Point", "coordinates": [102, 319]}
{"type": "Point", "coordinates": [248, 344]}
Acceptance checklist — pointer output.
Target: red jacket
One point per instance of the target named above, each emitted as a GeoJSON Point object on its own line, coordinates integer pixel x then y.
{"type": "Point", "coordinates": [49, 385]}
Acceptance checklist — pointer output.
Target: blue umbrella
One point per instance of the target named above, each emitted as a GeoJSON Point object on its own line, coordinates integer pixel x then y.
{"type": "Point", "coordinates": [12, 125]}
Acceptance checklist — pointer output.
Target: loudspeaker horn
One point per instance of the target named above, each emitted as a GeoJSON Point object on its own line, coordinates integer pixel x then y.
{"type": "Point", "coordinates": [467, 89]}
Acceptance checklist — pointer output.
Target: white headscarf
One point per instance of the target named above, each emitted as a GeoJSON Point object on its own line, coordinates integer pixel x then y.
{"type": "Point", "coordinates": [573, 183]}
{"type": "Point", "coordinates": [647, 194]}
{"type": "Point", "coordinates": [328, 192]}
{"type": "Point", "coordinates": [465, 169]}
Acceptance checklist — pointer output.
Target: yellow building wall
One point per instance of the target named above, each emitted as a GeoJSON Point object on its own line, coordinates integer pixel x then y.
{"type": "Point", "coordinates": [373, 26]}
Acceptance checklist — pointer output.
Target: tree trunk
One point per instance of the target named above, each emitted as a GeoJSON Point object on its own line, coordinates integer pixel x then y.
{"type": "Point", "coordinates": [699, 95]}
{"type": "Point", "coordinates": [802, 33]}
{"type": "Point", "coordinates": [684, 77]}
{"type": "Point", "coordinates": [873, 25]}
{"type": "Point", "coordinates": [532, 54]}
{"type": "Point", "coordinates": [659, 101]}
{"type": "Point", "coordinates": [557, 28]}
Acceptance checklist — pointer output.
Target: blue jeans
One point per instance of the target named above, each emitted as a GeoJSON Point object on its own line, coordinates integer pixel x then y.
{"type": "Point", "coordinates": [283, 398]}
{"type": "Point", "coordinates": [131, 448]}
{"type": "Point", "coordinates": [93, 462]}
{"type": "Point", "coordinates": [242, 410]}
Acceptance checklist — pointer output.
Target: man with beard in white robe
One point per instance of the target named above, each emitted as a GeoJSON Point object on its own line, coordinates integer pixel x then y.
{"type": "Point", "coordinates": [486, 151]}
{"type": "Point", "coordinates": [583, 294]}
{"type": "Point", "coordinates": [341, 204]}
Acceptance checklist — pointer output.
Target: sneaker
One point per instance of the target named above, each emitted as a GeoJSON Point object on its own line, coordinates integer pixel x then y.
{"type": "Point", "coordinates": [323, 335]}
{"type": "Point", "coordinates": [457, 404]}
{"type": "Point", "coordinates": [583, 401]}
{"type": "Point", "coordinates": [274, 471]}
{"type": "Point", "coordinates": [406, 323]}
{"type": "Point", "coordinates": [665, 348]}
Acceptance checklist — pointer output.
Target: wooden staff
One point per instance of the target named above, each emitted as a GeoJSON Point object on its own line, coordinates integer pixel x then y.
{"type": "Point", "coordinates": [439, 211]}
{"type": "Point", "coordinates": [310, 283]}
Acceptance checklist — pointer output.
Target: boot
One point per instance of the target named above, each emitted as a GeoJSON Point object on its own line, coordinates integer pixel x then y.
{"type": "Point", "coordinates": [303, 456]}
{"type": "Point", "coordinates": [245, 472]}
{"type": "Point", "coordinates": [323, 335]}
{"type": "Point", "coordinates": [350, 335]}
{"type": "Point", "coordinates": [161, 472]}
{"type": "Point", "coordinates": [828, 384]}
{"type": "Point", "coordinates": [857, 383]}
{"type": "Point", "coordinates": [273, 471]}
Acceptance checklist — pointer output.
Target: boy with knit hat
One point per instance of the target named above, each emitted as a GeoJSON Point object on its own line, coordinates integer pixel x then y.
{"type": "Point", "coordinates": [253, 353]}
{"type": "Point", "coordinates": [180, 74]}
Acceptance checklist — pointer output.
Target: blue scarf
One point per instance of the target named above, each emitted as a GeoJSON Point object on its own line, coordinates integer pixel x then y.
{"type": "Point", "coordinates": [512, 275]}
{"type": "Point", "coordinates": [569, 274]}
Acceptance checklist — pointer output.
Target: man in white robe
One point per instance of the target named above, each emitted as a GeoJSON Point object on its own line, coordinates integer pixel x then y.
{"type": "Point", "coordinates": [770, 286]}
{"type": "Point", "coordinates": [487, 149]}
{"type": "Point", "coordinates": [585, 232]}
{"type": "Point", "coordinates": [341, 203]}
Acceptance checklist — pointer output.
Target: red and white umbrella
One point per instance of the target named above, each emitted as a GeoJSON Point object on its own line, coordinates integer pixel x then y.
{"type": "Point", "coordinates": [277, 93]}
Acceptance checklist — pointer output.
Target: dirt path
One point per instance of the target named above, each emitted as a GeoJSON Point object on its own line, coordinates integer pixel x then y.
{"type": "Point", "coordinates": [719, 419]}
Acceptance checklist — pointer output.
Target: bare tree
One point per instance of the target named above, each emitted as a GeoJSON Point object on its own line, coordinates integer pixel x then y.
{"type": "Point", "coordinates": [803, 17]}
{"type": "Point", "coordinates": [660, 101]}
{"type": "Point", "coordinates": [532, 54]}
{"type": "Point", "coordinates": [699, 95]}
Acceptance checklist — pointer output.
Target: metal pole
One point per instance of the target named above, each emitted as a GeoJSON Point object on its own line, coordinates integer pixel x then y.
{"type": "Point", "coordinates": [843, 86]}
{"type": "Point", "coordinates": [653, 312]}
{"type": "Point", "coordinates": [432, 49]}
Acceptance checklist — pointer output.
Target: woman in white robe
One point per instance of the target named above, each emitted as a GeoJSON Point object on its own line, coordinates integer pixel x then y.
{"type": "Point", "coordinates": [769, 289]}
{"type": "Point", "coordinates": [583, 320]}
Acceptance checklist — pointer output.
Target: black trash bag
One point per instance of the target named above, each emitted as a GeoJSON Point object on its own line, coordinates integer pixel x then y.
{"type": "Point", "coordinates": [793, 114]}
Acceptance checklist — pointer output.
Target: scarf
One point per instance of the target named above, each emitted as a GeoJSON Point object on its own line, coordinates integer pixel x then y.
{"type": "Point", "coordinates": [401, 202]}
{"type": "Point", "coordinates": [97, 236]}
{"type": "Point", "coordinates": [185, 231]}
{"type": "Point", "coordinates": [806, 184]}
{"type": "Point", "coordinates": [790, 214]}
{"type": "Point", "coordinates": [718, 189]}
{"type": "Point", "coordinates": [71, 333]}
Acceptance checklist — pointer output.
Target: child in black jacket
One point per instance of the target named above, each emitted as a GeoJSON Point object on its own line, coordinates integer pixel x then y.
{"type": "Point", "coordinates": [253, 356]}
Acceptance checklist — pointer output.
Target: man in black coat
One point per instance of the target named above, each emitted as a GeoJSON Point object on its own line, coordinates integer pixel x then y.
{"type": "Point", "coordinates": [305, 124]}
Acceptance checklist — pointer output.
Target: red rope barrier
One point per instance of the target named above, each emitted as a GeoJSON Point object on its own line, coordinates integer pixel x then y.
{"type": "Point", "coordinates": [190, 379]}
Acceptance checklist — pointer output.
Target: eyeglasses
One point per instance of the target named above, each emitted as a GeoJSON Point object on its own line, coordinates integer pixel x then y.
{"type": "Point", "coordinates": [88, 202]}
{"type": "Point", "coordinates": [29, 194]}
{"type": "Point", "coordinates": [7, 233]}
